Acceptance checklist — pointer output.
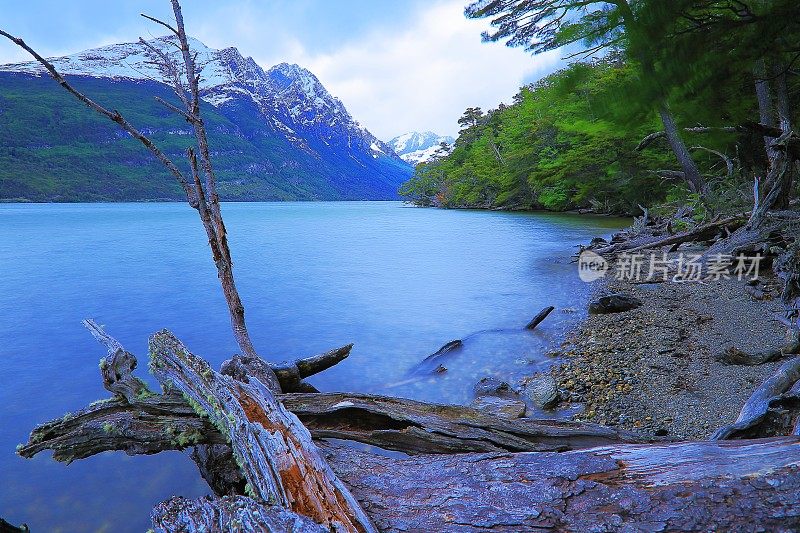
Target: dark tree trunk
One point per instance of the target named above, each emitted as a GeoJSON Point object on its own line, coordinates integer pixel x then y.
{"type": "Point", "coordinates": [691, 173]}
{"type": "Point", "coordinates": [776, 187]}
{"type": "Point", "coordinates": [764, 98]}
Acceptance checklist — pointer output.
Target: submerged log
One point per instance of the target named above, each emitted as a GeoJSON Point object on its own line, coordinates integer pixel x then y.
{"type": "Point", "coordinates": [274, 451]}
{"type": "Point", "coordinates": [539, 318]}
{"type": "Point", "coordinates": [691, 486]}
{"type": "Point", "coordinates": [447, 348]}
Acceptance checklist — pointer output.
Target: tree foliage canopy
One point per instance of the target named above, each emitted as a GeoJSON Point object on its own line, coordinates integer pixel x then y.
{"type": "Point", "coordinates": [570, 141]}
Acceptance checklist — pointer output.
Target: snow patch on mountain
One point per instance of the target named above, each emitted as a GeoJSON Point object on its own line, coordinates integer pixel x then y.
{"type": "Point", "coordinates": [415, 147]}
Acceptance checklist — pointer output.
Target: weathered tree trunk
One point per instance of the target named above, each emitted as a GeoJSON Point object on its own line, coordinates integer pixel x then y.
{"type": "Point", "coordinates": [776, 188]}
{"type": "Point", "coordinates": [764, 99]}
{"type": "Point", "coordinates": [695, 486]}
{"type": "Point", "coordinates": [275, 453]}
{"type": "Point", "coordinates": [691, 173]}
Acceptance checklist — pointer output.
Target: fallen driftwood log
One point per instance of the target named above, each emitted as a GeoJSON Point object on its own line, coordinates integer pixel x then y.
{"type": "Point", "coordinates": [694, 486]}
{"type": "Point", "coordinates": [539, 318]}
{"type": "Point", "coordinates": [753, 418]}
{"type": "Point", "coordinates": [167, 422]}
{"type": "Point", "coordinates": [703, 232]}
{"type": "Point", "coordinates": [272, 448]}
{"type": "Point", "coordinates": [674, 487]}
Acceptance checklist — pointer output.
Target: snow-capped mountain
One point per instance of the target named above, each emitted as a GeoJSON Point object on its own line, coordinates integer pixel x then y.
{"type": "Point", "coordinates": [415, 147]}
{"type": "Point", "coordinates": [289, 101]}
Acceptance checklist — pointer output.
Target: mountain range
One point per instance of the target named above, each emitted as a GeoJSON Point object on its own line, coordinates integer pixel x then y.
{"type": "Point", "coordinates": [276, 134]}
{"type": "Point", "coordinates": [415, 147]}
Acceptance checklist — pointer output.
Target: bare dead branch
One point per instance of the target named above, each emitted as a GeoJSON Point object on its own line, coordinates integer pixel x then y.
{"type": "Point", "coordinates": [190, 119]}
{"type": "Point", "coordinates": [161, 22]}
{"type": "Point", "coordinates": [727, 160]}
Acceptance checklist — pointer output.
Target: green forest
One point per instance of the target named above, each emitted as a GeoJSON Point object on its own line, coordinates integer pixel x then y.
{"type": "Point", "coordinates": [664, 104]}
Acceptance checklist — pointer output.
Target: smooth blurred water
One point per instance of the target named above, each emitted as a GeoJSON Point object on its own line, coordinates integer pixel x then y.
{"type": "Point", "coordinates": [397, 281]}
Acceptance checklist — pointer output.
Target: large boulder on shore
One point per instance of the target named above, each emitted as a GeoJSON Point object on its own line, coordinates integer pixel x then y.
{"type": "Point", "coordinates": [613, 303]}
{"type": "Point", "coordinates": [542, 391]}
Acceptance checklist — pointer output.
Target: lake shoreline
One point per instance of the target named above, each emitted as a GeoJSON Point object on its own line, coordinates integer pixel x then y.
{"type": "Point", "coordinates": [26, 201]}
{"type": "Point", "coordinates": [654, 370]}
{"type": "Point", "coordinates": [518, 209]}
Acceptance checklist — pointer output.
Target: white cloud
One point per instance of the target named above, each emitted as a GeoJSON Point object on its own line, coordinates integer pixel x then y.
{"type": "Point", "coordinates": [421, 77]}
{"type": "Point", "coordinates": [425, 76]}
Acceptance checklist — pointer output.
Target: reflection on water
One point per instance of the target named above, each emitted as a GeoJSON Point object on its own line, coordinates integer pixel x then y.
{"type": "Point", "coordinates": [397, 281]}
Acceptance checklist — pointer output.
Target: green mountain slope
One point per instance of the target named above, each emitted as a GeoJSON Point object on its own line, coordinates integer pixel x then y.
{"type": "Point", "coordinates": [54, 149]}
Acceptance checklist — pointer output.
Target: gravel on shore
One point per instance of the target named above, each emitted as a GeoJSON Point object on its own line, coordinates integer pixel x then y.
{"type": "Point", "coordinates": [653, 369]}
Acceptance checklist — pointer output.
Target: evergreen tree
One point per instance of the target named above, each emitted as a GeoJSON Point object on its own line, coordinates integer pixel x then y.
{"type": "Point", "coordinates": [542, 25]}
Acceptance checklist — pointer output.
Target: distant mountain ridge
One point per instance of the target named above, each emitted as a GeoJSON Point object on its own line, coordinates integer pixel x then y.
{"type": "Point", "coordinates": [415, 147]}
{"type": "Point", "coordinates": [278, 133]}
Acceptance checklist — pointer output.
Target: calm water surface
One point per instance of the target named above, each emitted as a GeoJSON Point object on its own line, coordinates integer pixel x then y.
{"type": "Point", "coordinates": [397, 281]}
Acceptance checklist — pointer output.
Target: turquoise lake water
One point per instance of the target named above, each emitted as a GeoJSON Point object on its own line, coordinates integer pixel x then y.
{"type": "Point", "coordinates": [397, 281]}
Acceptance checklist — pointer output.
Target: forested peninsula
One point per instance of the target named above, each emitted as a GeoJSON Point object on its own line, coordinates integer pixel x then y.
{"type": "Point", "coordinates": [663, 106]}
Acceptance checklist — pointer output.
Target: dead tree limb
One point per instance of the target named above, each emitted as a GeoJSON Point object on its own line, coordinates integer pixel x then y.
{"type": "Point", "coordinates": [200, 194]}
{"type": "Point", "coordinates": [650, 139]}
{"type": "Point", "coordinates": [289, 373]}
{"type": "Point", "coordinates": [725, 159]}
{"type": "Point", "coordinates": [161, 423]}
{"type": "Point", "coordinates": [115, 116]}
{"type": "Point", "coordinates": [274, 450]}
{"type": "Point", "coordinates": [118, 366]}
{"type": "Point", "coordinates": [146, 426]}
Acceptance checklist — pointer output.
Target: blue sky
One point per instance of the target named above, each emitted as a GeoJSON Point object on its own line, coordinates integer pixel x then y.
{"type": "Point", "coordinates": [397, 65]}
